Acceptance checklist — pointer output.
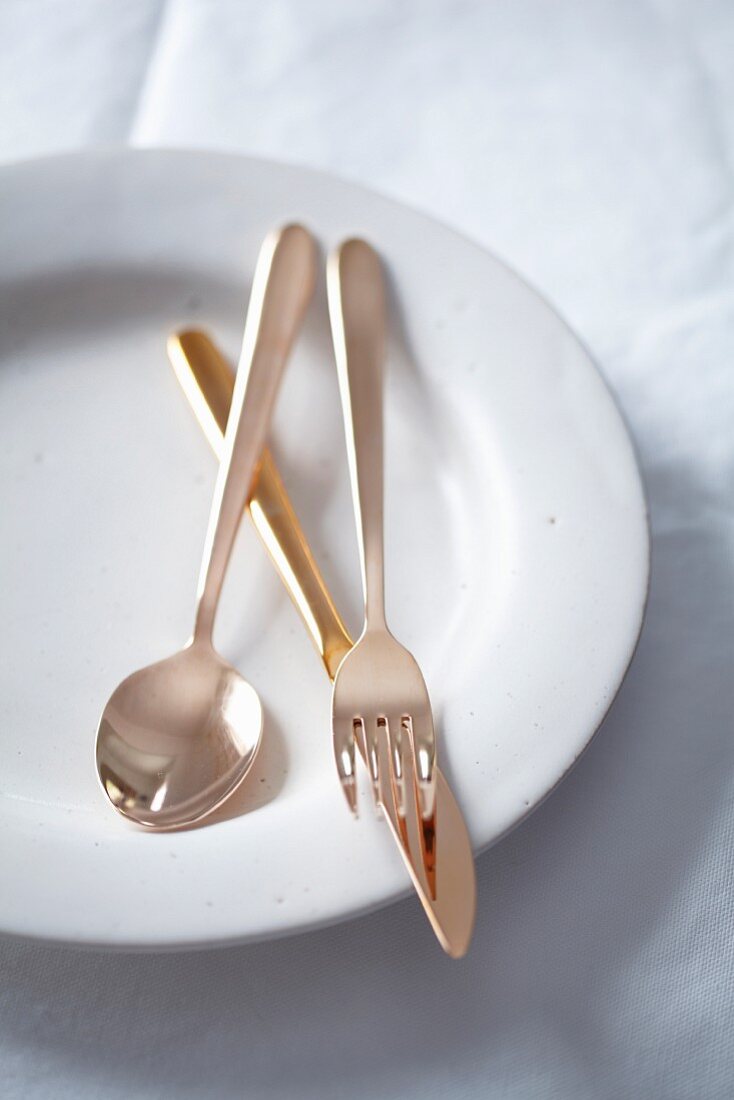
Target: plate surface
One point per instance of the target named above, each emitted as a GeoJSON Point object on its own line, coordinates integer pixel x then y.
{"type": "Point", "coordinates": [517, 544]}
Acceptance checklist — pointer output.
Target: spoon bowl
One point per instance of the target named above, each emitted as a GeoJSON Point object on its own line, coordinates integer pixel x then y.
{"type": "Point", "coordinates": [177, 738]}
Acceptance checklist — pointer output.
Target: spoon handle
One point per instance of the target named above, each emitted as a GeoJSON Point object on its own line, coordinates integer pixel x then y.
{"type": "Point", "coordinates": [281, 290]}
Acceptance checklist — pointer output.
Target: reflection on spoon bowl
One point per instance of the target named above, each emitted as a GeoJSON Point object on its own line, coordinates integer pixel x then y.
{"type": "Point", "coordinates": [177, 738]}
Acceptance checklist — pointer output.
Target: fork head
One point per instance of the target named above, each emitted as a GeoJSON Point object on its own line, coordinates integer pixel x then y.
{"type": "Point", "coordinates": [379, 693]}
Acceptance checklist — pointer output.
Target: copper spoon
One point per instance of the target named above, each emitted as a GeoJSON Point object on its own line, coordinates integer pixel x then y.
{"type": "Point", "coordinates": [177, 738]}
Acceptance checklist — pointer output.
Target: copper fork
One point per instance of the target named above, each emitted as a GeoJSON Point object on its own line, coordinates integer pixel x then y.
{"type": "Point", "coordinates": [380, 698]}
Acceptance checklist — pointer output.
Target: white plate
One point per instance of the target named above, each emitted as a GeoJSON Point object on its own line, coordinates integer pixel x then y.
{"type": "Point", "coordinates": [517, 545]}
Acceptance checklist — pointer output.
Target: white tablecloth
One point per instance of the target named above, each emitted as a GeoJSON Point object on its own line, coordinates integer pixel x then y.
{"type": "Point", "coordinates": [592, 145]}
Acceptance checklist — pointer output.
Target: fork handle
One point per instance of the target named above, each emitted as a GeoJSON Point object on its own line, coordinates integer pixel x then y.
{"type": "Point", "coordinates": [357, 312]}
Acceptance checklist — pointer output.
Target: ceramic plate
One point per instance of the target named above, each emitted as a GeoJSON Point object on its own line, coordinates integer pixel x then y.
{"type": "Point", "coordinates": [517, 545]}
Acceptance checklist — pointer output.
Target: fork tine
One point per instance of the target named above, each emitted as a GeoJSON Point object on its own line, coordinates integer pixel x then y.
{"type": "Point", "coordinates": [394, 767]}
{"type": "Point", "coordinates": [371, 732]}
{"type": "Point", "coordinates": [343, 741]}
{"type": "Point", "coordinates": [419, 829]}
{"type": "Point", "coordinates": [423, 744]}
{"type": "Point", "coordinates": [397, 766]}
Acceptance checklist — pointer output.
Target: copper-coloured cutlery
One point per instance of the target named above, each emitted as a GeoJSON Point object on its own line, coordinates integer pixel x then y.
{"type": "Point", "coordinates": [449, 900]}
